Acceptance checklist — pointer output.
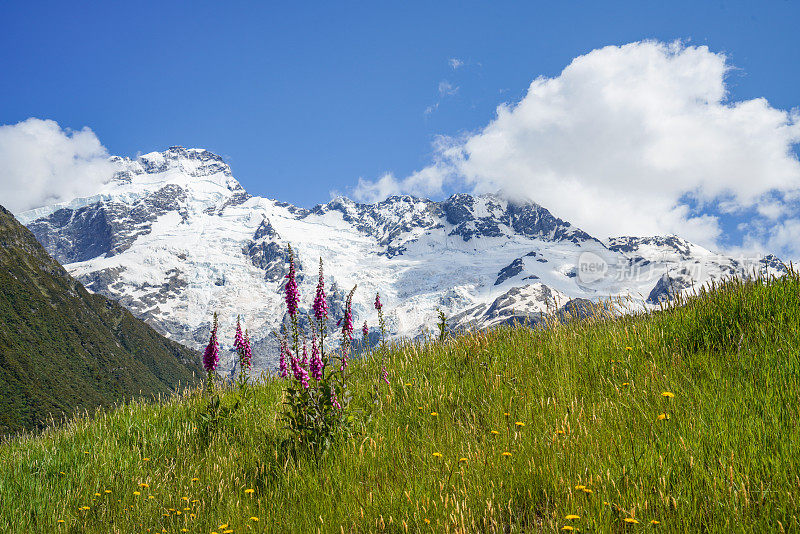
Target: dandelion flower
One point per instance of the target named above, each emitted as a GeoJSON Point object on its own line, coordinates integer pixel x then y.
{"type": "Point", "coordinates": [254, 518]}
{"type": "Point", "coordinates": [572, 516]}
{"type": "Point", "coordinates": [587, 490]}
{"type": "Point", "coordinates": [506, 453]}
{"type": "Point", "coordinates": [654, 522]}
{"type": "Point", "coordinates": [145, 459]}
{"type": "Point", "coordinates": [60, 521]}
{"type": "Point", "coordinates": [249, 490]}
{"type": "Point", "coordinates": [460, 460]}
{"type": "Point", "coordinates": [419, 407]}
{"type": "Point", "coordinates": [437, 454]}
{"type": "Point", "coordinates": [143, 485]}
{"type": "Point", "coordinates": [628, 348]}
{"type": "Point", "coordinates": [663, 416]}
{"type": "Point", "coordinates": [137, 492]}
{"type": "Point", "coordinates": [519, 423]}
{"type": "Point", "coordinates": [580, 487]}
{"type": "Point", "coordinates": [631, 521]}
{"type": "Point", "coordinates": [195, 479]}
{"type": "Point", "coordinates": [409, 384]}
{"type": "Point", "coordinates": [559, 432]}
{"type": "Point", "coordinates": [495, 432]}
{"type": "Point", "coordinates": [434, 414]}
{"type": "Point", "coordinates": [567, 527]}
{"type": "Point", "coordinates": [108, 491]}
{"type": "Point", "coordinates": [668, 394]}
{"type": "Point", "coordinates": [626, 383]}
{"type": "Point", "coordinates": [96, 494]}
{"type": "Point", "coordinates": [505, 413]}
{"type": "Point", "coordinates": [428, 521]}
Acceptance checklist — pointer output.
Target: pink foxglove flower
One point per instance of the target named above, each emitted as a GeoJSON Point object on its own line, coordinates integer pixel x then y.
{"type": "Point", "coordinates": [211, 354]}
{"type": "Point", "coordinates": [316, 364]}
{"type": "Point", "coordinates": [290, 289]}
{"type": "Point", "coordinates": [246, 352]}
{"type": "Point", "coordinates": [347, 328]}
{"type": "Point", "coordinates": [238, 340]}
{"type": "Point", "coordinates": [365, 331]}
{"type": "Point", "coordinates": [320, 300]}
{"type": "Point", "coordinates": [300, 374]}
{"type": "Point", "coordinates": [284, 368]}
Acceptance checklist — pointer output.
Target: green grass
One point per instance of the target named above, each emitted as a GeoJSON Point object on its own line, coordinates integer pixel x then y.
{"type": "Point", "coordinates": [588, 393]}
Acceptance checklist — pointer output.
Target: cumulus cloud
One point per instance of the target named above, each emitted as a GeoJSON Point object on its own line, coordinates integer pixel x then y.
{"type": "Point", "coordinates": [635, 139]}
{"type": "Point", "coordinates": [41, 163]}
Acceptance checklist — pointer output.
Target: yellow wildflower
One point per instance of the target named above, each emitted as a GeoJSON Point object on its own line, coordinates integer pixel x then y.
{"type": "Point", "coordinates": [560, 432]}
{"type": "Point", "coordinates": [437, 454]}
{"type": "Point", "coordinates": [60, 521]}
{"type": "Point", "coordinates": [408, 384]}
{"type": "Point", "coordinates": [150, 497]}
{"type": "Point", "coordinates": [195, 479]}
{"type": "Point", "coordinates": [587, 490]}
{"type": "Point", "coordinates": [519, 423]}
{"type": "Point", "coordinates": [580, 487]}
{"type": "Point", "coordinates": [249, 490]}
{"type": "Point", "coordinates": [137, 492]}
{"type": "Point", "coordinates": [506, 453]}
{"type": "Point", "coordinates": [428, 521]}
{"type": "Point", "coordinates": [654, 522]}
{"type": "Point", "coordinates": [626, 383]}
{"type": "Point", "coordinates": [96, 494]}
{"type": "Point", "coordinates": [628, 348]}
{"type": "Point", "coordinates": [462, 460]}
{"type": "Point", "coordinates": [434, 414]}
{"type": "Point", "coordinates": [631, 521]}
{"type": "Point", "coordinates": [108, 491]}
{"type": "Point", "coordinates": [143, 485]}
{"type": "Point", "coordinates": [145, 459]}
{"type": "Point", "coordinates": [567, 527]}
{"type": "Point", "coordinates": [495, 432]}
{"type": "Point", "coordinates": [668, 394]}
{"type": "Point", "coordinates": [572, 516]}
{"type": "Point", "coordinates": [663, 416]}
{"type": "Point", "coordinates": [254, 518]}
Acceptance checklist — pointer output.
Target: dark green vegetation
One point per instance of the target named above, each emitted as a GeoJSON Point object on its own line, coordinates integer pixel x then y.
{"type": "Point", "coordinates": [63, 349]}
{"type": "Point", "coordinates": [686, 417]}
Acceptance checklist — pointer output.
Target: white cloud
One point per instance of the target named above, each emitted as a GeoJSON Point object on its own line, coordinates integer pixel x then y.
{"type": "Point", "coordinates": [623, 138]}
{"type": "Point", "coordinates": [455, 63]}
{"type": "Point", "coordinates": [41, 163]}
{"type": "Point", "coordinates": [446, 88]}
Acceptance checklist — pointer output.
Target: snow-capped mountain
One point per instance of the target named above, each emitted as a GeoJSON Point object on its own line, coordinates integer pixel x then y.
{"type": "Point", "coordinates": [174, 237]}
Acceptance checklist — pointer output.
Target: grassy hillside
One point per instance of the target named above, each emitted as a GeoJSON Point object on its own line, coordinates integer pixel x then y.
{"type": "Point", "coordinates": [63, 349]}
{"type": "Point", "coordinates": [511, 430]}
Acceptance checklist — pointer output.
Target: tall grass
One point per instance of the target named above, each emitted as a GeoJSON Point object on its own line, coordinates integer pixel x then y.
{"type": "Point", "coordinates": [510, 430]}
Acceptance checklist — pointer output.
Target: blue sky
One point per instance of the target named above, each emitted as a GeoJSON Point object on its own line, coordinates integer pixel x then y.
{"type": "Point", "coordinates": [305, 99]}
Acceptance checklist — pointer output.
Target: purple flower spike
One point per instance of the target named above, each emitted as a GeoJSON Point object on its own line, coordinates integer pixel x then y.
{"type": "Point", "coordinates": [291, 293]}
{"type": "Point", "coordinates": [247, 354]}
{"type": "Point", "coordinates": [385, 375]}
{"type": "Point", "coordinates": [211, 354]}
{"type": "Point", "coordinates": [347, 328]}
{"type": "Point", "coordinates": [300, 374]}
{"type": "Point", "coordinates": [335, 401]}
{"type": "Point", "coordinates": [304, 361]}
{"type": "Point", "coordinates": [238, 340]}
{"type": "Point", "coordinates": [320, 300]}
{"type": "Point", "coordinates": [365, 330]}
{"type": "Point", "coordinates": [284, 369]}
{"type": "Point", "coordinates": [378, 304]}
{"type": "Point", "coordinates": [316, 360]}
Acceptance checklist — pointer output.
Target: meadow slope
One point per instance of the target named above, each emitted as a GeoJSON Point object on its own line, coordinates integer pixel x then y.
{"type": "Point", "coordinates": [684, 420]}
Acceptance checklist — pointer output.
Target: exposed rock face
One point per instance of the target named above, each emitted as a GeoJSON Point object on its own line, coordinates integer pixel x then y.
{"type": "Point", "coordinates": [174, 237]}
